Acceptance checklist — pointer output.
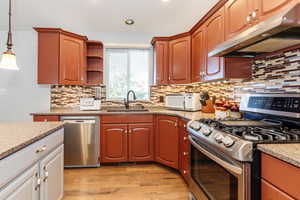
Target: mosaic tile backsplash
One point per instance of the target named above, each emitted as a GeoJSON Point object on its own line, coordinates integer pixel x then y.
{"type": "Point", "coordinates": [278, 73]}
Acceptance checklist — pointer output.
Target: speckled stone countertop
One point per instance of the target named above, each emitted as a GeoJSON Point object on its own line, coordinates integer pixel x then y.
{"type": "Point", "coordinates": [287, 152]}
{"type": "Point", "coordinates": [15, 136]}
{"type": "Point", "coordinates": [182, 114]}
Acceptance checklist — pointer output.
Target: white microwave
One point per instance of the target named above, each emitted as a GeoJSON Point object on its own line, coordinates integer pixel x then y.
{"type": "Point", "coordinates": [185, 101]}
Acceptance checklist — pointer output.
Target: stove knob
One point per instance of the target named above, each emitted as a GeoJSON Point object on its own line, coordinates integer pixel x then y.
{"type": "Point", "coordinates": [228, 142]}
{"type": "Point", "coordinates": [206, 130]}
{"type": "Point", "coordinates": [195, 125]}
{"type": "Point", "coordinates": [219, 137]}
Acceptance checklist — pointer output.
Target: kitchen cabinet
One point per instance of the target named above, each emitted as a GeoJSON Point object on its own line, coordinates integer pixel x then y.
{"type": "Point", "coordinates": [61, 57]}
{"type": "Point", "coordinates": [23, 187]}
{"type": "Point", "coordinates": [167, 141]}
{"type": "Point", "coordinates": [276, 184]}
{"type": "Point", "coordinates": [36, 171]}
{"type": "Point", "coordinates": [264, 9]}
{"type": "Point", "coordinates": [214, 32]}
{"type": "Point", "coordinates": [140, 142]}
{"type": "Point", "coordinates": [180, 60]}
{"type": "Point", "coordinates": [161, 57]}
{"type": "Point", "coordinates": [184, 149]}
{"type": "Point", "coordinates": [114, 143]}
{"type": "Point", "coordinates": [199, 54]}
{"type": "Point", "coordinates": [46, 118]}
{"type": "Point", "coordinates": [237, 17]}
{"type": "Point", "coordinates": [127, 138]}
{"type": "Point", "coordinates": [52, 173]}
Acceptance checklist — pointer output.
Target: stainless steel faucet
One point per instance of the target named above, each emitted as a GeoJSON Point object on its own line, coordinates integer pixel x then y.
{"type": "Point", "coordinates": [126, 101]}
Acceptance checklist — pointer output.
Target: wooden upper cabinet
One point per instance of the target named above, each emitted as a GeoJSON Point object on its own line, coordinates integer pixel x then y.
{"type": "Point", "coordinates": [167, 141]}
{"type": "Point", "coordinates": [266, 8]}
{"type": "Point", "coordinates": [180, 60]}
{"type": "Point", "coordinates": [140, 142]}
{"type": "Point", "coordinates": [161, 53]}
{"type": "Point", "coordinates": [114, 143]}
{"type": "Point", "coordinates": [72, 64]}
{"type": "Point", "coordinates": [237, 17]}
{"type": "Point", "coordinates": [61, 57]}
{"type": "Point", "coordinates": [198, 54]}
{"type": "Point", "coordinates": [214, 28]}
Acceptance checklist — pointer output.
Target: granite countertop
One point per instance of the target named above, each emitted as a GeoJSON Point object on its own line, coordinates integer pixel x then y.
{"type": "Point", "coordinates": [182, 114]}
{"type": "Point", "coordinates": [15, 136]}
{"type": "Point", "coordinates": [289, 153]}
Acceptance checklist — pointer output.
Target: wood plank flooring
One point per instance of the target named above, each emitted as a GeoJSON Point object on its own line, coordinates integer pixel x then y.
{"type": "Point", "coordinates": [134, 182]}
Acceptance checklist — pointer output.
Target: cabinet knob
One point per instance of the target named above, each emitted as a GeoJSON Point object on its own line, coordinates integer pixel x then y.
{"type": "Point", "coordinates": [248, 19]}
{"type": "Point", "coordinates": [254, 15]}
{"type": "Point", "coordinates": [46, 174]}
{"type": "Point", "coordinates": [185, 153]}
{"type": "Point", "coordinates": [184, 172]}
{"type": "Point", "coordinates": [38, 182]}
{"type": "Point", "coordinates": [185, 138]}
{"type": "Point", "coordinates": [45, 120]}
{"type": "Point", "coordinates": [176, 124]}
{"type": "Point", "coordinates": [40, 150]}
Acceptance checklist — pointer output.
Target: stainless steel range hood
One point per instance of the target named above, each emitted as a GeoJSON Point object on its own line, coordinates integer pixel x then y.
{"type": "Point", "coordinates": [278, 32]}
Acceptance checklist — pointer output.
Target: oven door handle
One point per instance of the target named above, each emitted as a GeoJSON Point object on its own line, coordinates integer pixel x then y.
{"type": "Point", "coordinates": [238, 171]}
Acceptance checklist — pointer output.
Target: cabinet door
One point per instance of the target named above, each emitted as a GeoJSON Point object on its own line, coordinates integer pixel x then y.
{"type": "Point", "coordinates": [161, 52]}
{"type": "Point", "coordinates": [237, 12]}
{"type": "Point", "coordinates": [167, 141]}
{"type": "Point", "coordinates": [140, 142]}
{"type": "Point", "coordinates": [24, 187]}
{"type": "Point", "coordinates": [214, 36]}
{"type": "Point", "coordinates": [71, 60]}
{"type": "Point", "coordinates": [180, 60]}
{"type": "Point", "coordinates": [114, 143]}
{"type": "Point", "coordinates": [270, 192]}
{"type": "Point", "coordinates": [52, 175]}
{"type": "Point", "coordinates": [266, 8]}
{"type": "Point", "coordinates": [198, 54]}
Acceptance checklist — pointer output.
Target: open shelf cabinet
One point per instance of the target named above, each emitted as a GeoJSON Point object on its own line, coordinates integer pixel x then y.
{"type": "Point", "coordinates": [94, 62]}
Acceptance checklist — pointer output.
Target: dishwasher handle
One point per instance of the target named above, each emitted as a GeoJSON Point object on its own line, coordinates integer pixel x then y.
{"type": "Point", "coordinates": [80, 121]}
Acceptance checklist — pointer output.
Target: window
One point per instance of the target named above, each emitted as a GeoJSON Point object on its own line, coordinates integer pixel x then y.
{"type": "Point", "coordinates": [128, 69]}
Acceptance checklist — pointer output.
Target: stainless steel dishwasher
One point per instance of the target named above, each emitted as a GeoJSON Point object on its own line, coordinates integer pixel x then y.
{"type": "Point", "coordinates": [82, 141]}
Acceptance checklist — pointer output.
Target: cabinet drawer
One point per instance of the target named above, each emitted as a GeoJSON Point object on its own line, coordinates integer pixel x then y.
{"type": "Point", "coordinates": [272, 171]}
{"type": "Point", "coordinates": [126, 118]}
{"type": "Point", "coordinates": [269, 192]}
{"type": "Point", "coordinates": [45, 118]}
{"type": "Point", "coordinates": [23, 159]}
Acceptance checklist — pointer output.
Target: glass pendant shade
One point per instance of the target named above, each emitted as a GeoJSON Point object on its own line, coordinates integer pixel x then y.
{"type": "Point", "coordinates": [9, 61]}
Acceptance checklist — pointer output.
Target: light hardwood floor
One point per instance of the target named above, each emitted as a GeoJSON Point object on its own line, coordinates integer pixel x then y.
{"type": "Point", "coordinates": [134, 182]}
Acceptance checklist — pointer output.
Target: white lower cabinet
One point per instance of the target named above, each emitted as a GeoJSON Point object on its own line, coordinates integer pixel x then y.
{"type": "Point", "coordinates": [37, 179]}
{"type": "Point", "coordinates": [24, 187]}
{"type": "Point", "coordinates": [52, 173]}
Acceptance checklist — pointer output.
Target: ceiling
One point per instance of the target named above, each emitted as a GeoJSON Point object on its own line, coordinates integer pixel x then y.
{"type": "Point", "coordinates": [151, 16]}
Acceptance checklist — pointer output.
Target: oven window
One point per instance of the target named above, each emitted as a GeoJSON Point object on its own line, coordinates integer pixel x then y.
{"type": "Point", "coordinates": [215, 181]}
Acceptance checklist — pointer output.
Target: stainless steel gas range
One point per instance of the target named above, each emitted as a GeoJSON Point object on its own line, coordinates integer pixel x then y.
{"type": "Point", "coordinates": [224, 161]}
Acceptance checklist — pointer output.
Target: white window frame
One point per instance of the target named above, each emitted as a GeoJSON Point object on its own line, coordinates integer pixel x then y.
{"type": "Point", "coordinates": [128, 47]}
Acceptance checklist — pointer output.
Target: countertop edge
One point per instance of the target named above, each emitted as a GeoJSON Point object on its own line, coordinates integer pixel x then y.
{"type": "Point", "coordinates": [29, 142]}
{"type": "Point", "coordinates": [279, 156]}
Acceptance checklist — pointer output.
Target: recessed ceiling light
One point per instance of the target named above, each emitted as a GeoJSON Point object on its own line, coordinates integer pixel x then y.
{"type": "Point", "coordinates": [165, 0]}
{"type": "Point", "coordinates": [129, 22]}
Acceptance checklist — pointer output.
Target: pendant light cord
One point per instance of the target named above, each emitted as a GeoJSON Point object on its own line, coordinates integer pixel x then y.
{"type": "Point", "coordinates": [9, 37]}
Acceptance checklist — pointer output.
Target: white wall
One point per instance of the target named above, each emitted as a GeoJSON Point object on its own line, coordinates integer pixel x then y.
{"type": "Point", "coordinates": [20, 94]}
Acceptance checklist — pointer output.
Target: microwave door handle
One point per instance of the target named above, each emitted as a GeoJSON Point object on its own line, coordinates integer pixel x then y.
{"type": "Point", "coordinates": [231, 168]}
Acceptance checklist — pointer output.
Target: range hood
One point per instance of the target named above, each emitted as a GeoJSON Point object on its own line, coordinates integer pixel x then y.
{"type": "Point", "coordinates": [280, 31]}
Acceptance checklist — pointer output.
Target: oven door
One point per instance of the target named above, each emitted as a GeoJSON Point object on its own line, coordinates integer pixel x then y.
{"type": "Point", "coordinates": [216, 177]}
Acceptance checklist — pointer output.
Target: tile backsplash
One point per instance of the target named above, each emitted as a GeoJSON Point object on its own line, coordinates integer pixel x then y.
{"type": "Point", "coordinates": [278, 73]}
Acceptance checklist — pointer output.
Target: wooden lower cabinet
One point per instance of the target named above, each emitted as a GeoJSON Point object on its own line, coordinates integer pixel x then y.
{"type": "Point", "coordinates": [45, 118]}
{"type": "Point", "coordinates": [114, 143]}
{"type": "Point", "coordinates": [167, 141]}
{"type": "Point", "coordinates": [184, 149]}
{"type": "Point", "coordinates": [140, 142]}
{"type": "Point", "coordinates": [276, 184]}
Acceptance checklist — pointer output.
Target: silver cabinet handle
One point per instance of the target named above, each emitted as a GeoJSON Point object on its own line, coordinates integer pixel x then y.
{"type": "Point", "coordinates": [46, 174]}
{"type": "Point", "coordinates": [40, 150]}
{"type": "Point", "coordinates": [38, 182]}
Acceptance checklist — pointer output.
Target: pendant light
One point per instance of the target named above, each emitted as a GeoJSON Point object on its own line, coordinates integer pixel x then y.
{"type": "Point", "coordinates": [9, 58]}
